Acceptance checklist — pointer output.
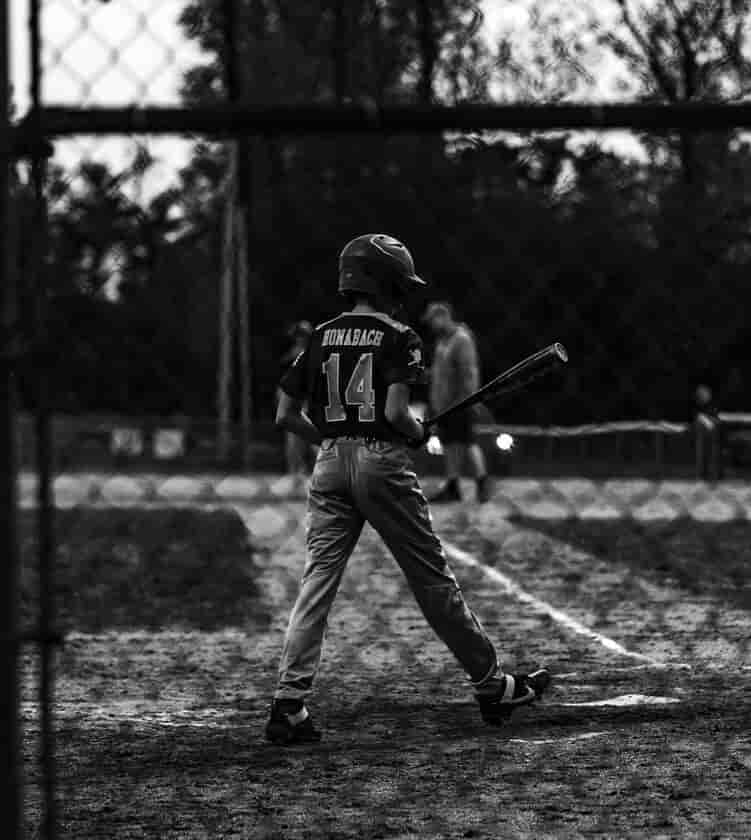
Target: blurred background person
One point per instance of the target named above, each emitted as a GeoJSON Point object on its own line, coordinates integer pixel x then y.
{"type": "Point", "coordinates": [455, 373]}
{"type": "Point", "coordinates": [709, 437]}
{"type": "Point", "coordinates": [705, 401]}
{"type": "Point", "coordinates": [298, 454]}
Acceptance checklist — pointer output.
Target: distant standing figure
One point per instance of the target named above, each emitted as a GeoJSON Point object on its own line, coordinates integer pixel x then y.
{"type": "Point", "coordinates": [705, 400]}
{"type": "Point", "coordinates": [297, 452]}
{"type": "Point", "coordinates": [708, 435]}
{"type": "Point", "coordinates": [454, 375]}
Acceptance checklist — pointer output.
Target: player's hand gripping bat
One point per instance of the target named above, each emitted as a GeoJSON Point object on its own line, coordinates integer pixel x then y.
{"type": "Point", "coordinates": [516, 377]}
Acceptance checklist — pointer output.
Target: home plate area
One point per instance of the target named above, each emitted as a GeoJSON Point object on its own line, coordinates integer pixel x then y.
{"type": "Point", "coordinates": [174, 595]}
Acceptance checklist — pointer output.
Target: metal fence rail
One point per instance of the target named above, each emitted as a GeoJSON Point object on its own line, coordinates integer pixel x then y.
{"type": "Point", "coordinates": [193, 443]}
{"type": "Point", "coordinates": [241, 119]}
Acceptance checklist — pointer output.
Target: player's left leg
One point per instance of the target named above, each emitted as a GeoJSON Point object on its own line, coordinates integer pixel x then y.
{"type": "Point", "coordinates": [334, 528]}
{"type": "Point", "coordinates": [333, 533]}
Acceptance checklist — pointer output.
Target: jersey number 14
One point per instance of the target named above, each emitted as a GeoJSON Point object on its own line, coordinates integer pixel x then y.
{"type": "Point", "coordinates": [359, 390]}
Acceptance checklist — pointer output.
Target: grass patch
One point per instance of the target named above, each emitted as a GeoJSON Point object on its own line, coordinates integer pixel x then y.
{"type": "Point", "coordinates": [704, 558]}
{"type": "Point", "coordinates": [144, 568]}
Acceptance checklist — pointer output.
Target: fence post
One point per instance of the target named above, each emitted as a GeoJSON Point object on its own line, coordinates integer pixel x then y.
{"type": "Point", "coordinates": [244, 334]}
{"type": "Point", "coordinates": [45, 518]}
{"type": "Point", "coordinates": [549, 444]}
{"type": "Point", "coordinates": [226, 320]}
{"type": "Point", "coordinates": [660, 454]}
{"type": "Point", "coordinates": [10, 755]}
{"type": "Point", "coordinates": [716, 451]}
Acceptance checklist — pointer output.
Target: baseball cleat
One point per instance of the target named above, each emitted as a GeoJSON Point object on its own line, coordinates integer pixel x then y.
{"type": "Point", "coordinates": [450, 492]}
{"type": "Point", "coordinates": [516, 690]}
{"type": "Point", "coordinates": [291, 723]}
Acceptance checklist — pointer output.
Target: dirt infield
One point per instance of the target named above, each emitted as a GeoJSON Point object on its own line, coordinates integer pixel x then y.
{"type": "Point", "coordinates": [175, 626]}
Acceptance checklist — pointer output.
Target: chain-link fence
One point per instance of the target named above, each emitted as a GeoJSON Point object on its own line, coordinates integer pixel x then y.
{"type": "Point", "coordinates": [207, 160]}
{"type": "Point", "coordinates": [533, 236]}
{"type": "Point", "coordinates": [627, 247]}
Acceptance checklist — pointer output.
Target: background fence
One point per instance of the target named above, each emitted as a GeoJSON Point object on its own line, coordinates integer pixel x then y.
{"type": "Point", "coordinates": [708, 448]}
{"type": "Point", "coordinates": [158, 270]}
{"type": "Point", "coordinates": [629, 246]}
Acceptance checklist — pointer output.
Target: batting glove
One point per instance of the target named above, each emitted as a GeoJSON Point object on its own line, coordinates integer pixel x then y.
{"type": "Point", "coordinates": [416, 443]}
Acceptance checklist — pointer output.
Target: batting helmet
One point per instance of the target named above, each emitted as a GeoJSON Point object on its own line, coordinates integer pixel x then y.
{"type": "Point", "coordinates": [377, 264]}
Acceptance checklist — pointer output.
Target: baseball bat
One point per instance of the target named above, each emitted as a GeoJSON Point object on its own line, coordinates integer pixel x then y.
{"type": "Point", "coordinates": [516, 377]}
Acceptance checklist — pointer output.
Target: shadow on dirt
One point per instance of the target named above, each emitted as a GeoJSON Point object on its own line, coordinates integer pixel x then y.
{"type": "Point", "coordinates": [128, 748]}
{"type": "Point", "coordinates": [131, 568]}
{"type": "Point", "coordinates": [703, 558]}
{"type": "Point", "coordinates": [456, 721]}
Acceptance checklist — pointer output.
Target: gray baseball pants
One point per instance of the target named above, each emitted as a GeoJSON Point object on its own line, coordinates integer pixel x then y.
{"type": "Point", "coordinates": [356, 481]}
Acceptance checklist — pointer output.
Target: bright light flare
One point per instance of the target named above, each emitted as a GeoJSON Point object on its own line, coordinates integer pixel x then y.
{"type": "Point", "coordinates": [504, 442]}
{"type": "Point", "coordinates": [434, 445]}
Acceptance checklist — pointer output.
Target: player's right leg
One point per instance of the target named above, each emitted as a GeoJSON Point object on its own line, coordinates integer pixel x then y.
{"type": "Point", "coordinates": [503, 693]}
{"type": "Point", "coordinates": [333, 530]}
{"type": "Point", "coordinates": [396, 507]}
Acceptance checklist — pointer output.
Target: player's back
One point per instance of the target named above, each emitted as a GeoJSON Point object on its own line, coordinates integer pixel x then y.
{"type": "Point", "coordinates": [350, 363]}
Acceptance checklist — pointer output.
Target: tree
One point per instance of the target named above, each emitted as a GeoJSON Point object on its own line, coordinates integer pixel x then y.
{"type": "Point", "coordinates": [122, 285]}
{"type": "Point", "coordinates": [535, 239]}
{"type": "Point", "coordinates": [317, 189]}
{"type": "Point", "coordinates": [685, 51]}
{"type": "Point", "coordinates": [545, 50]}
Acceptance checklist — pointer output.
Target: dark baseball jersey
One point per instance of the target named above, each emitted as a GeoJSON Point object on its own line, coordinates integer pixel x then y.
{"type": "Point", "coordinates": [346, 369]}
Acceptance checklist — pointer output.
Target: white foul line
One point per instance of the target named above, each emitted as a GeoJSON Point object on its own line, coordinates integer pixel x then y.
{"type": "Point", "coordinates": [513, 589]}
{"type": "Point", "coordinates": [584, 736]}
{"type": "Point", "coordinates": [627, 700]}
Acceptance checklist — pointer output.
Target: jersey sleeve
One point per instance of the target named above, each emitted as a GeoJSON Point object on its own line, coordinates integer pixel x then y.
{"type": "Point", "coordinates": [407, 363]}
{"type": "Point", "coordinates": [295, 382]}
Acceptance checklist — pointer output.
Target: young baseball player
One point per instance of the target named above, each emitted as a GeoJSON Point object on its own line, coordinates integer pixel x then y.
{"type": "Point", "coordinates": [355, 376]}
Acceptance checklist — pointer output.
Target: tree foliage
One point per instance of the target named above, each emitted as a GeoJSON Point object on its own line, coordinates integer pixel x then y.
{"type": "Point", "coordinates": [640, 270]}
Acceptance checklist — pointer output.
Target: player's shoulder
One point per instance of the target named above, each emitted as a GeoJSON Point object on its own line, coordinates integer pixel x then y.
{"type": "Point", "coordinates": [322, 326]}
{"type": "Point", "coordinates": [396, 326]}
{"type": "Point", "coordinates": [463, 335]}
{"type": "Point", "coordinates": [402, 333]}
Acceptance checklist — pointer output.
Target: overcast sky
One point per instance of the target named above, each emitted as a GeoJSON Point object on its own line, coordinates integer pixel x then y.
{"type": "Point", "coordinates": [118, 53]}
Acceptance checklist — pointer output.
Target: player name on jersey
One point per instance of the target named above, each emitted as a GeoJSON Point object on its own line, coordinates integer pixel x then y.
{"type": "Point", "coordinates": [352, 338]}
